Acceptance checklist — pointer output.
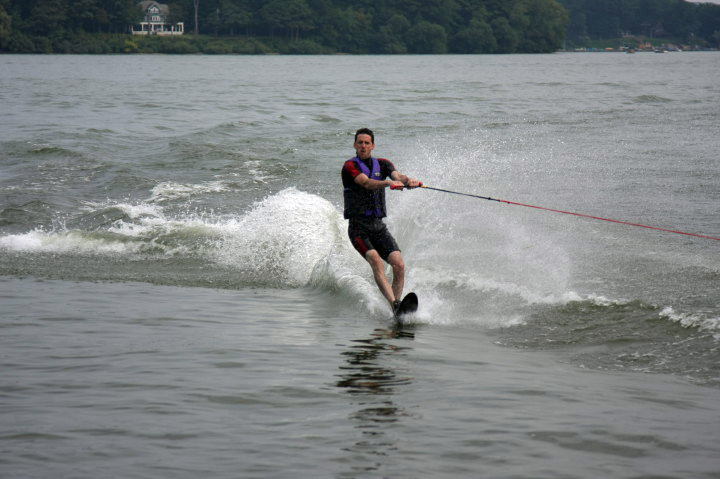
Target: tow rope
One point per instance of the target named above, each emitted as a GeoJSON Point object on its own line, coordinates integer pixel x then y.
{"type": "Point", "coordinates": [575, 214]}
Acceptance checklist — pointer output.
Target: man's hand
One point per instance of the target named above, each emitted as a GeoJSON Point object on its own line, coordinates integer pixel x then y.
{"type": "Point", "coordinates": [413, 183]}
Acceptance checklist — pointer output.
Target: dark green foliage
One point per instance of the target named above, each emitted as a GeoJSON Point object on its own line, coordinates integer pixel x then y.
{"type": "Point", "coordinates": [426, 37]}
{"type": "Point", "coordinates": [477, 37]}
{"type": "Point", "coordinates": [342, 26]}
{"type": "Point", "coordinates": [681, 21]}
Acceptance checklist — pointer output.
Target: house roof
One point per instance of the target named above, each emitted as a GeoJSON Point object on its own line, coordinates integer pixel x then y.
{"type": "Point", "coordinates": [145, 5]}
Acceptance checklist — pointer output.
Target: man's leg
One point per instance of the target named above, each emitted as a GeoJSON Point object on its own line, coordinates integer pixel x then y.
{"type": "Point", "coordinates": [378, 269]}
{"type": "Point", "coordinates": [398, 266]}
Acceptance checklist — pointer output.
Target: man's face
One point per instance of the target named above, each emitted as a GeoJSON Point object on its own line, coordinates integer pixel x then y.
{"type": "Point", "coordinates": [364, 146]}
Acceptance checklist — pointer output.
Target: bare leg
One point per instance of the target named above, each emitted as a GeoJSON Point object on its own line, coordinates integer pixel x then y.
{"type": "Point", "coordinates": [378, 269]}
{"type": "Point", "coordinates": [398, 266]}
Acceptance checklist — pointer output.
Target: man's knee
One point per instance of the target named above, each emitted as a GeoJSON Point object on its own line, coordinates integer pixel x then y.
{"type": "Point", "coordinates": [396, 261]}
{"type": "Point", "coordinates": [374, 259]}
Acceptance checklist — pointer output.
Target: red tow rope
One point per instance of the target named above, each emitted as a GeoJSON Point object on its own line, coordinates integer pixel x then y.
{"type": "Point", "coordinates": [577, 214]}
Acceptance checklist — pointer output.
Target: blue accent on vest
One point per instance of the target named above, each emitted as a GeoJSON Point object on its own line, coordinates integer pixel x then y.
{"type": "Point", "coordinates": [375, 174]}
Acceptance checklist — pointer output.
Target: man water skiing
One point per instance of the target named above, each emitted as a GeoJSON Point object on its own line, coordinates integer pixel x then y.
{"type": "Point", "coordinates": [364, 180]}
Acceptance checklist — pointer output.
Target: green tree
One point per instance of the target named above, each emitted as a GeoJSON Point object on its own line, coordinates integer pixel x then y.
{"type": "Point", "coordinates": [709, 27]}
{"type": "Point", "coordinates": [477, 37]}
{"type": "Point", "coordinates": [5, 28]}
{"type": "Point", "coordinates": [577, 27]}
{"type": "Point", "coordinates": [681, 21]}
{"type": "Point", "coordinates": [426, 37]}
{"type": "Point", "coordinates": [390, 36]}
{"type": "Point", "coordinates": [237, 17]}
{"type": "Point", "coordinates": [213, 21]}
{"type": "Point", "coordinates": [274, 15]}
{"type": "Point", "coordinates": [82, 15]}
{"type": "Point", "coordinates": [442, 12]}
{"type": "Point", "coordinates": [176, 13]}
{"type": "Point", "coordinates": [299, 17]}
{"type": "Point", "coordinates": [542, 25]}
{"type": "Point", "coordinates": [348, 30]}
{"type": "Point", "coordinates": [48, 16]}
{"type": "Point", "coordinates": [506, 38]}
{"type": "Point", "coordinates": [119, 14]}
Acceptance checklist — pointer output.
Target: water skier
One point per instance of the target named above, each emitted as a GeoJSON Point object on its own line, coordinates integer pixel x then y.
{"type": "Point", "coordinates": [364, 180]}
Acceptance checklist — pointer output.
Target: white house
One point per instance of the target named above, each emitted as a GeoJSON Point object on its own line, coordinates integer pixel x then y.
{"type": "Point", "coordinates": [155, 21]}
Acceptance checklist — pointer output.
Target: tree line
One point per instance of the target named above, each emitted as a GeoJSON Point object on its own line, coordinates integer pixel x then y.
{"type": "Point", "coordinates": [395, 26]}
{"type": "Point", "coordinates": [681, 21]}
{"type": "Point", "coordinates": [342, 26]}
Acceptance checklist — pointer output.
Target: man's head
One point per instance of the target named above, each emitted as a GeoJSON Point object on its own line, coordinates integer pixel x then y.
{"type": "Point", "coordinates": [364, 143]}
{"type": "Point", "coordinates": [365, 131]}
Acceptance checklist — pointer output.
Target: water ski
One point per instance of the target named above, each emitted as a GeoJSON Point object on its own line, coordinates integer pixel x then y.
{"type": "Point", "coordinates": [408, 305]}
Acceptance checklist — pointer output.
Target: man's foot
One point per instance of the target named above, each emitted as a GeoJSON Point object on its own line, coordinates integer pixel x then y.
{"type": "Point", "coordinates": [395, 305]}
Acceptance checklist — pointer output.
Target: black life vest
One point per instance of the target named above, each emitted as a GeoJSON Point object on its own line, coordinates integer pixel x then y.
{"type": "Point", "coordinates": [360, 201]}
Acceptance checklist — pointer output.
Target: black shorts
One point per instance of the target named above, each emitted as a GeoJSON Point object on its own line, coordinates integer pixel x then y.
{"type": "Point", "coordinates": [371, 233]}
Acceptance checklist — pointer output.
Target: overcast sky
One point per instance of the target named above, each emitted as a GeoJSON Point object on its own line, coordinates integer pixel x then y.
{"type": "Point", "coordinates": [705, 1]}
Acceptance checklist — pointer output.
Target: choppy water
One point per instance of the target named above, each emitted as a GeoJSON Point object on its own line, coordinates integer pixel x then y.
{"type": "Point", "coordinates": [179, 297]}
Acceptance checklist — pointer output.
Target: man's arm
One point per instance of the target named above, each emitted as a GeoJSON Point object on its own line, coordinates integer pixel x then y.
{"type": "Point", "coordinates": [370, 184]}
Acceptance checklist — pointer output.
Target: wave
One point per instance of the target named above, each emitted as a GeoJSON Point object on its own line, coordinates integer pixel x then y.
{"type": "Point", "coordinates": [622, 335]}
{"type": "Point", "coordinates": [290, 239]}
{"type": "Point", "coordinates": [65, 242]}
{"type": "Point", "coordinates": [52, 151]}
{"type": "Point", "coordinates": [281, 239]}
{"type": "Point", "coordinates": [294, 239]}
{"type": "Point", "coordinates": [651, 99]}
{"type": "Point", "coordinates": [170, 190]}
{"type": "Point", "coordinates": [693, 320]}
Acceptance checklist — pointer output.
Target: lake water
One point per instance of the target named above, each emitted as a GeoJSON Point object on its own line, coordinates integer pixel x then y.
{"type": "Point", "coordinates": [179, 297]}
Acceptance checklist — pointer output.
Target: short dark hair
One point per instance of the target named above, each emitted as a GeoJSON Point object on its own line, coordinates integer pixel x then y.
{"type": "Point", "coordinates": [365, 131]}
